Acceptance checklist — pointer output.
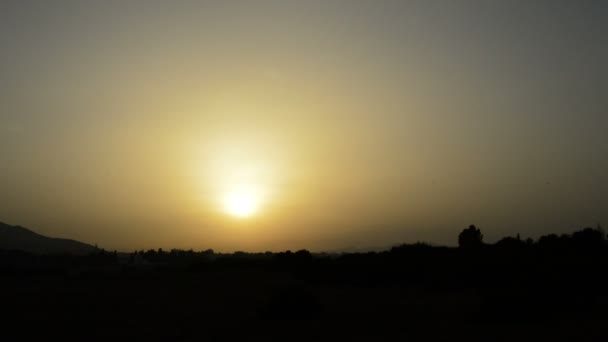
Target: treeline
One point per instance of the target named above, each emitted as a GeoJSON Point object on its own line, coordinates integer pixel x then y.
{"type": "Point", "coordinates": [587, 242]}
{"type": "Point", "coordinates": [514, 277]}
{"type": "Point", "coordinates": [585, 239]}
{"type": "Point", "coordinates": [470, 239]}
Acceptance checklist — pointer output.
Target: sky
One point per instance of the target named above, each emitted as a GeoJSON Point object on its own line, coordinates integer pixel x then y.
{"type": "Point", "coordinates": [325, 125]}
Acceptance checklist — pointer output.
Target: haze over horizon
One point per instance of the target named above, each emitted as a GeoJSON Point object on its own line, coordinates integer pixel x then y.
{"type": "Point", "coordinates": [274, 125]}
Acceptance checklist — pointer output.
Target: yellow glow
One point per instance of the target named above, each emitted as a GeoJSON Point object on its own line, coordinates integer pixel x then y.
{"type": "Point", "coordinates": [240, 171]}
{"type": "Point", "coordinates": [241, 202]}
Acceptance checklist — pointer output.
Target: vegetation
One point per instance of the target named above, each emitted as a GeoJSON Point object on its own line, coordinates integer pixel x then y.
{"type": "Point", "coordinates": [516, 286]}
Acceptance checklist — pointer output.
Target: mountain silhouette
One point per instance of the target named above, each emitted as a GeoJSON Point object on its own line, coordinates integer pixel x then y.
{"type": "Point", "coordinates": [22, 239]}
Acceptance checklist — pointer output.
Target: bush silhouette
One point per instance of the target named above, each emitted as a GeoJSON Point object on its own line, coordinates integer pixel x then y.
{"type": "Point", "coordinates": [511, 243]}
{"type": "Point", "coordinates": [470, 238]}
{"type": "Point", "coordinates": [588, 238]}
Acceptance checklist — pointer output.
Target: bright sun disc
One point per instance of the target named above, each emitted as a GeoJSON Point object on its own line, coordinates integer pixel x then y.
{"type": "Point", "coordinates": [241, 203]}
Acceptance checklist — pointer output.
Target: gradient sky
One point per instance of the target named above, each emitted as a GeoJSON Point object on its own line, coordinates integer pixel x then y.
{"type": "Point", "coordinates": [358, 123]}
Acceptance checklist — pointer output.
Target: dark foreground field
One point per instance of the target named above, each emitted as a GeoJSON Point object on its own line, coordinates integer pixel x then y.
{"type": "Point", "coordinates": [512, 291]}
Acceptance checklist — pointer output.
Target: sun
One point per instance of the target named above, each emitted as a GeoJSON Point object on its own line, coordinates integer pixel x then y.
{"type": "Point", "coordinates": [241, 202]}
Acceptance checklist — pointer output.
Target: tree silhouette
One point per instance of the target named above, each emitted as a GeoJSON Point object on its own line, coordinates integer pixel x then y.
{"type": "Point", "coordinates": [470, 238]}
{"type": "Point", "coordinates": [588, 238]}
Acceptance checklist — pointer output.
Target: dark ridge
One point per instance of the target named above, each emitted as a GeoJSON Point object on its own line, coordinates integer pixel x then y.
{"type": "Point", "coordinates": [22, 239]}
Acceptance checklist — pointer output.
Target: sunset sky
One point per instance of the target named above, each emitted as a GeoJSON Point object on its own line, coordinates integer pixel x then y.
{"type": "Point", "coordinates": [273, 125]}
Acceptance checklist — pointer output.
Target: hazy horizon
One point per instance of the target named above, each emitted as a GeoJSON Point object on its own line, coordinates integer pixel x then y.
{"type": "Point", "coordinates": [274, 125]}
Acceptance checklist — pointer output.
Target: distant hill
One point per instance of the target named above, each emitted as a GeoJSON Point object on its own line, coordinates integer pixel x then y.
{"type": "Point", "coordinates": [19, 238]}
